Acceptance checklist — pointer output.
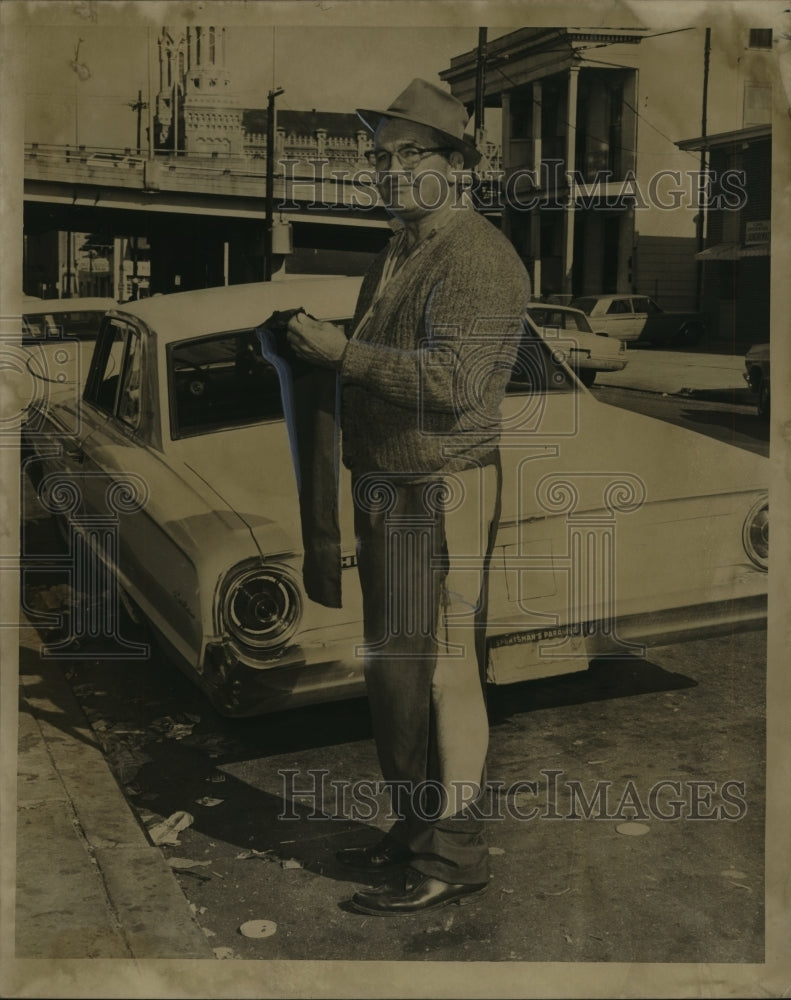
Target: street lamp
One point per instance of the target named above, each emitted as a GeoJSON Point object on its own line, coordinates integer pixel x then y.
{"type": "Point", "coordinates": [270, 179]}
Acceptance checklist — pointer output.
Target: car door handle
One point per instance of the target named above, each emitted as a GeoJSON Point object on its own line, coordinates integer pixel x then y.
{"type": "Point", "coordinates": [75, 453]}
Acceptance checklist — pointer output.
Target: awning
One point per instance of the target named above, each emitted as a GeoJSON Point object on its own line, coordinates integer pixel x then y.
{"type": "Point", "coordinates": [733, 251]}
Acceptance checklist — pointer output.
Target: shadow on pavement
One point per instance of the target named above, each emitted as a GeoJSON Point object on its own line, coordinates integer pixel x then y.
{"type": "Point", "coordinates": [749, 424]}
{"type": "Point", "coordinates": [604, 679]}
{"type": "Point", "coordinates": [41, 698]}
{"type": "Point", "coordinates": [727, 395]}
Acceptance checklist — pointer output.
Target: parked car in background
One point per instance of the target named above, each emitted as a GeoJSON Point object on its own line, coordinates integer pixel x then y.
{"type": "Point", "coordinates": [59, 334]}
{"type": "Point", "coordinates": [569, 331]}
{"type": "Point", "coordinates": [638, 317]}
{"type": "Point", "coordinates": [178, 450]}
{"type": "Point", "coordinates": [47, 344]}
{"type": "Point", "coordinates": [756, 375]}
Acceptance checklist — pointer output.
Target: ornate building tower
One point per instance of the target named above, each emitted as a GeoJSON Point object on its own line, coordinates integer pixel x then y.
{"type": "Point", "coordinates": [195, 111]}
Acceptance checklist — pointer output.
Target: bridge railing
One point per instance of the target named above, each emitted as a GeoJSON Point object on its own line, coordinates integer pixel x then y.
{"type": "Point", "coordinates": [239, 175]}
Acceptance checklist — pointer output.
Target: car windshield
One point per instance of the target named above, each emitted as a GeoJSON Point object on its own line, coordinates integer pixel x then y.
{"type": "Point", "coordinates": [220, 382]}
{"type": "Point", "coordinates": [563, 319]}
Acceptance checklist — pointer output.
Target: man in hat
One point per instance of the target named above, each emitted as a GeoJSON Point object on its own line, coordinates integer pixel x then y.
{"type": "Point", "coordinates": [437, 327]}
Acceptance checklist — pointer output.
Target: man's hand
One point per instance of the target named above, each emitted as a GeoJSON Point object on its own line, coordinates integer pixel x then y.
{"type": "Point", "coordinates": [318, 342]}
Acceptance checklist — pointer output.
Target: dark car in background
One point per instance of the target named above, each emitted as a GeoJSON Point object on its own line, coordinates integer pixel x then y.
{"type": "Point", "coordinates": [756, 375]}
{"type": "Point", "coordinates": [633, 317]}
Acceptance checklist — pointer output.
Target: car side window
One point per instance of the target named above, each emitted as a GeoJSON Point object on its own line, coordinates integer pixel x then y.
{"type": "Point", "coordinates": [220, 382]}
{"type": "Point", "coordinates": [129, 387]}
{"type": "Point", "coordinates": [619, 307]}
{"type": "Point", "coordinates": [115, 379]}
{"type": "Point", "coordinates": [101, 388]}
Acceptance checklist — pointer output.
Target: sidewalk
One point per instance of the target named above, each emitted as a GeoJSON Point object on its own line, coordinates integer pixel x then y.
{"type": "Point", "coordinates": [677, 372]}
{"type": "Point", "coordinates": [89, 882]}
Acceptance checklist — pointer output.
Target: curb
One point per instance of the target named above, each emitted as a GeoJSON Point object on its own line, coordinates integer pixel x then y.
{"type": "Point", "coordinates": [89, 882]}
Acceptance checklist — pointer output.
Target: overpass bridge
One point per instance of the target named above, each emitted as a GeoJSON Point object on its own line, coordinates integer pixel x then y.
{"type": "Point", "coordinates": [203, 216]}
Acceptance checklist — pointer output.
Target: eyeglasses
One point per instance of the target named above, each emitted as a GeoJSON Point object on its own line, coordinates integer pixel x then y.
{"type": "Point", "coordinates": [408, 156]}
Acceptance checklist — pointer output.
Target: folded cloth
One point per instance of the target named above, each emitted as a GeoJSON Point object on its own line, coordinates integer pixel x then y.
{"type": "Point", "coordinates": [310, 397]}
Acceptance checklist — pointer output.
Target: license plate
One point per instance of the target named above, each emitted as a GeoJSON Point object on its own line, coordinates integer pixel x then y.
{"type": "Point", "coordinates": [522, 656]}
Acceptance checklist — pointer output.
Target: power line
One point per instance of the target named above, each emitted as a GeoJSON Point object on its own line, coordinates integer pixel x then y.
{"type": "Point", "coordinates": [658, 130]}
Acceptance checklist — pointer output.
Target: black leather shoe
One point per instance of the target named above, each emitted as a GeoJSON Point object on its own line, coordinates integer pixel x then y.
{"type": "Point", "coordinates": [379, 857]}
{"type": "Point", "coordinates": [419, 893]}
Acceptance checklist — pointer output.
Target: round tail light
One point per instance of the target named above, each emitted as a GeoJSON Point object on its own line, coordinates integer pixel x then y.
{"type": "Point", "coordinates": [755, 533]}
{"type": "Point", "coordinates": [262, 606]}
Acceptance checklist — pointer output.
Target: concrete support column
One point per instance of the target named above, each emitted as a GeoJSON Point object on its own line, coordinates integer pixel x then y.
{"type": "Point", "coordinates": [625, 249]}
{"type": "Point", "coordinates": [119, 249]}
{"type": "Point", "coordinates": [507, 165]}
{"type": "Point", "coordinates": [536, 130]}
{"type": "Point", "coordinates": [535, 215]}
{"type": "Point", "coordinates": [571, 152]}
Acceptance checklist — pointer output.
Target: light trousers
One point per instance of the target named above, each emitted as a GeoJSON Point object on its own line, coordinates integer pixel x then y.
{"type": "Point", "coordinates": [423, 555]}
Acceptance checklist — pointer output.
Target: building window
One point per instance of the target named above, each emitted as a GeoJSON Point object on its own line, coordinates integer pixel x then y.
{"type": "Point", "coordinates": [757, 104]}
{"type": "Point", "coordinates": [614, 134]}
{"type": "Point", "coordinates": [760, 38]}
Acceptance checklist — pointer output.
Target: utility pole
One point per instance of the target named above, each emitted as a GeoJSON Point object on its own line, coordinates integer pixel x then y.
{"type": "Point", "coordinates": [270, 179]}
{"type": "Point", "coordinates": [702, 187]}
{"type": "Point", "coordinates": [139, 106]}
{"type": "Point", "coordinates": [480, 86]}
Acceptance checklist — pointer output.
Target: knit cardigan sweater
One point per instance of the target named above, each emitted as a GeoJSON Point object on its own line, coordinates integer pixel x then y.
{"type": "Point", "coordinates": [423, 382]}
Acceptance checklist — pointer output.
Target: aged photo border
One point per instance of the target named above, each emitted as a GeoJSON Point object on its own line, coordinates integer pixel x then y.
{"type": "Point", "coordinates": [102, 978]}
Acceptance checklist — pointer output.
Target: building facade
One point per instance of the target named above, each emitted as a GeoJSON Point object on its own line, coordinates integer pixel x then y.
{"type": "Point", "coordinates": [196, 112]}
{"type": "Point", "coordinates": [597, 195]}
{"type": "Point", "coordinates": [735, 261]}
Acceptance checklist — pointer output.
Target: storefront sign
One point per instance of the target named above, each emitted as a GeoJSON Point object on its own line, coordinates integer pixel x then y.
{"type": "Point", "coordinates": [757, 232]}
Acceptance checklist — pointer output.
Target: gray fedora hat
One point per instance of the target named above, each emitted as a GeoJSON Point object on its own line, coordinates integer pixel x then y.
{"type": "Point", "coordinates": [425, 104]}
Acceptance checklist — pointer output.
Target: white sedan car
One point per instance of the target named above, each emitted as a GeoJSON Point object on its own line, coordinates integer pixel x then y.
{"type": "Point", "coordinates": [568, 331]}
{"type": "Point", "coordinates": [173, 469]}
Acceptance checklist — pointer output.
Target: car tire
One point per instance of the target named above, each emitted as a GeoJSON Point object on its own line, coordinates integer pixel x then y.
{"type": "Point", "coordinates": [689, 334]}
{"type": "Point", "coordinates": [586, 375]}
{"type": "Point", "coordinates": [763, 400]}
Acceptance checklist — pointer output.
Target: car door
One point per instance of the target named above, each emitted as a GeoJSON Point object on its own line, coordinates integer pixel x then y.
{"type": "Point", "coordinates": [619, 320]}
{"type": "Point", "coordinates": [122, 468]}
{"type": "Point", "coordinates": [648, 316]}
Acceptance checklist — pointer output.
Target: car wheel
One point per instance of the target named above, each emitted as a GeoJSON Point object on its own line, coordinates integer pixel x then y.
{"type": "Point", "coordinates": [763, 401]}
{"type": "Point", "coordinates": [689, 334]}
{"type": "Point", "coordinates": [586, 375]}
